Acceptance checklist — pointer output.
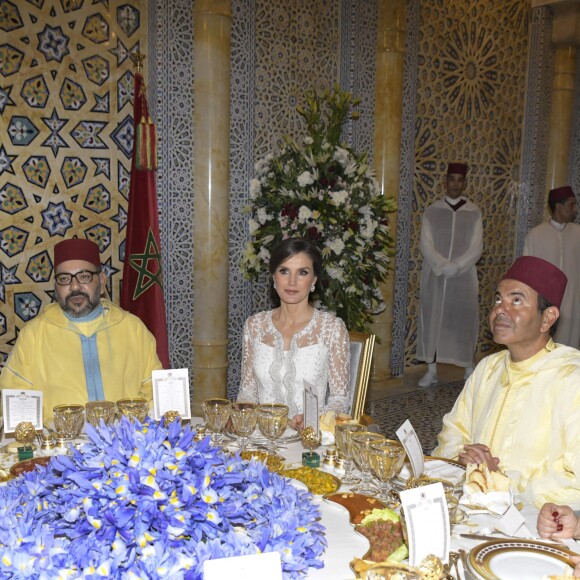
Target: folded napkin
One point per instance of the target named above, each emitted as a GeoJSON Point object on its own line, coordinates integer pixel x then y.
{"type": "Point", "coordinates": [495, 502]}
{"type": "Point", "coordinates": [438, 469]}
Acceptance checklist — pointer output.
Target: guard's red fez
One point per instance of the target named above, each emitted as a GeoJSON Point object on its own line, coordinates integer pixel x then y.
{"type": "Point", "coordinates": [460, 168]}
{"type": "Point", "coordinates": [541, 276]}
{"type": "Point", "coordinates": [560, 194]}
{"type": "Point", "coordinates": [77, 249]}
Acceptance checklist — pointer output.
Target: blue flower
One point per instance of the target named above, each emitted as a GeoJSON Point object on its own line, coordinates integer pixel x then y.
{"type": "Point", "coordinates": [144, 501]}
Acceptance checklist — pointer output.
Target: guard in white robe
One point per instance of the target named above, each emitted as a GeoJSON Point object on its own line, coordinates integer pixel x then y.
{"type": "Point", "coordinates": [451, 244]}
{"type": "Point", "coordinates": [558, 242]}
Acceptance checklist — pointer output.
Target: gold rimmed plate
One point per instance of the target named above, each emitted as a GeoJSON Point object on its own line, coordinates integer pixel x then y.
{"type": "Point", "coordinates": [440, 468]}
{"type": "Point", "coordinates": [517, 559]}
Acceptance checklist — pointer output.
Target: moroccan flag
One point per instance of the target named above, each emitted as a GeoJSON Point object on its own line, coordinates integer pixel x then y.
{"type": "Point", "coordinates": [142, 290]}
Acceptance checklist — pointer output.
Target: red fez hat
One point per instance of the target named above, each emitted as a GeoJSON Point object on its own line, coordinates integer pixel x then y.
{"type": "Point", "coordinates": [560, 194]}
{"type": "Point", "coordinates": [460, 168]}
{"type": "Point", "coordinates": [543, 277]}
{"type": "Point", "coordinates": [77, 249]}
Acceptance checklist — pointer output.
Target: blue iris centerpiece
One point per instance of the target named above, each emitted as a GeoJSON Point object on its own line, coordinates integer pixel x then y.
{"type": "Point", "coordinates": [146, 501]}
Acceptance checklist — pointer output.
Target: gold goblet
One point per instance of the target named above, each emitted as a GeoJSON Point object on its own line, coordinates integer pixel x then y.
{"type": "Point", "coordinates": [244, 418]}
{"type": "Point", "coordinates": [134, 409]}
{"type": "Point", "coordinates": [100, 410]}
{"type": "Point", "coordinates": [68, 420]}
{"type": "Point", "coordinates": [386, 459]}
{"type": "Point", "coordinates": [272, 422]}
{"type": "Point", "coordinates": [342, 434]}
{"type": "Point", "coordinates": [361, 444]}
{"type": "Point", "coordinates": [392, 570]}
{"type": "Point", "coordinates": [216, 412]}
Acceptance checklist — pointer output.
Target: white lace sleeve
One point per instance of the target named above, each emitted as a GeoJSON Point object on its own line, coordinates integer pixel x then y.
{"type": "Point", "coordinates": [249, 386]}
{"type": "Point", "coordinates": [339, 368]}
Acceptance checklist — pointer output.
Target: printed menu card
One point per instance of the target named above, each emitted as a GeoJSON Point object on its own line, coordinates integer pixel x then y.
{"type": "Point", "coordinates": [408, 437]}
{"type": "Point", "coordinates": [427, 520]}
{"type": "Point", "coordinates": [18, 406]}
{"type": "Point", "coordinates": [171, 393]}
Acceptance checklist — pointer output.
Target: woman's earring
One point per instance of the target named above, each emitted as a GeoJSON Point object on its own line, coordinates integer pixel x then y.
{"type": "Point", "coordinates": [274, 285]}
{"type": "Point", "coordinates": [312, 288]}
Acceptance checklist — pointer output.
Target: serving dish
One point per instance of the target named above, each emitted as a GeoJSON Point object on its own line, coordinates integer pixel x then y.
{"type": "Point", "coordinates": [28, 465]}
{"type": "Point", "coordinates": [358, 505]}
{"type": "Point", "coordinates": [317, 481]}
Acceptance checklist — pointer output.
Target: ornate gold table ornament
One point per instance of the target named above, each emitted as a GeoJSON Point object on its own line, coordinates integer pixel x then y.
{"type": "Point", "coordinates": [170, 416]}
{"type": "Point", "coordinates": [24, 435]}
{"type": "Point", "coordinates": [311, 440]}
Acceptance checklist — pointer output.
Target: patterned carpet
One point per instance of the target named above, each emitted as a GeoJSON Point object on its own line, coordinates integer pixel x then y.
{"type": "Point", "coordinates": [424, 408]}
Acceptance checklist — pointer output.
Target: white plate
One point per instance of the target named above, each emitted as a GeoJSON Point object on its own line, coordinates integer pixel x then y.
{"type": "Point", "coordinates": [518, 559]}
{"type": "Point", "coordinates": [289, 436]}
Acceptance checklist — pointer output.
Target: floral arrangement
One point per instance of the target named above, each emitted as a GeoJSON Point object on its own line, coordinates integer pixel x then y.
{"type": "Point", "coordinates": [323, 191]}
{"type": "Point", "coordinates": [149, 502]}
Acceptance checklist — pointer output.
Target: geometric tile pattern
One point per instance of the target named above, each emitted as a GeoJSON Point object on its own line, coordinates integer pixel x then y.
{"type": "Point", "coordinates": [425, 409]}
{"type": "Point", "coordinates": [171, 103]}
{"type": "Point", "coordinates": [471, 81]}
{"type": "Point", "coordinates": [62, 161]}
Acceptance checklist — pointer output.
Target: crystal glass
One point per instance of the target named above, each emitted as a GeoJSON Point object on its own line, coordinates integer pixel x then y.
{"type": "Point", "coordinates": [134, 409]}
{"type": "Point", "coordinates": [361, 444]}
{"type": "Point", "coordinates": [244, 418]}
{"type": "Point", "coordinates": [386, 459]}
{"type": "Point", "coordinates": [216, 412]}
{"type": "Point", "coordinates": [68, 420]}
{"type": "Point", "coordinates": [272, 422]}
{"type": "Point", "coordinates": [342, 435]}
{"type": "Point", "coordinates": [97, 410]}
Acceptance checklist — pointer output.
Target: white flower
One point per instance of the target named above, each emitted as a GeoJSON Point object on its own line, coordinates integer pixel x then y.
{"type": "Point", "coordinates": [304, 213]}
{"type": "Point", "coordinates": [338, 197]}
{"type": "Point", "coordinates": [262, 215]}
{"type": "Point", "coordinates": [336, 245]}
{"type": "Point", "coordinates": [336, 273]}
{"type": "Point", "coordinates": [305, 179]}
{"type": "Point", "coordinates": [366, 210]}
{"type": "Point", "coordinates": [308, 140]}
{"type": "Point", "coordinates": [341, 155]}
{"type": "Point", "coordinates": [254, 226]}
{"type": "Point", "coordinates": [367, 231]}
{"type": "Point", "coordinates": [264, 255]}
{"type": "Point", "coordinates": [350, 168]}
{"type": "Point", "coordinates": [255, 187]}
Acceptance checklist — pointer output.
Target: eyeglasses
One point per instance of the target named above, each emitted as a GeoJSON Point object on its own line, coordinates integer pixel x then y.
{"type": "Point", "coordinates": [82, 277]}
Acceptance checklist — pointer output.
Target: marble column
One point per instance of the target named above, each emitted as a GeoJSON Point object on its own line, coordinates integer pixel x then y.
{"type": "Point", "coordinates": [212, 33]}
{"type": "Point", "coordinates": [387, 151]}
{"type": "Point", "coordinates": [562, 116]}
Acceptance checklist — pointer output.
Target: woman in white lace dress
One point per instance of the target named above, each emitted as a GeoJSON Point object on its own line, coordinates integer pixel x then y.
{"type": "Point", "coordinates": [295, 342]}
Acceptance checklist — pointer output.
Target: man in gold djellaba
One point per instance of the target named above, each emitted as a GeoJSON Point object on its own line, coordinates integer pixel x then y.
{"type": "Point", "coordinates": [83, 348]}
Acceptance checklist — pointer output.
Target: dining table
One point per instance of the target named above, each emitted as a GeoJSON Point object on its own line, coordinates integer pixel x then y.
{"type": "Point", "coordinates": [344, 542]}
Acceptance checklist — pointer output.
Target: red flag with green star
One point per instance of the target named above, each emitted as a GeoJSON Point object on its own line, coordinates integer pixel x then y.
{"type": "Point", "coordinates": [142, 289]}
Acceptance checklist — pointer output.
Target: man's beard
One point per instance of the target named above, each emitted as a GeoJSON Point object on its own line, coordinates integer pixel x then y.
{"type": "Point", "coordinates": [86, 309]}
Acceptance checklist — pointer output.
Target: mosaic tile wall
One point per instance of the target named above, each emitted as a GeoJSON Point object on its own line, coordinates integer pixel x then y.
{"type": "Point", "coordinates": [469, 106]}
{"type": "Point", "coordinates": [66, 133]}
